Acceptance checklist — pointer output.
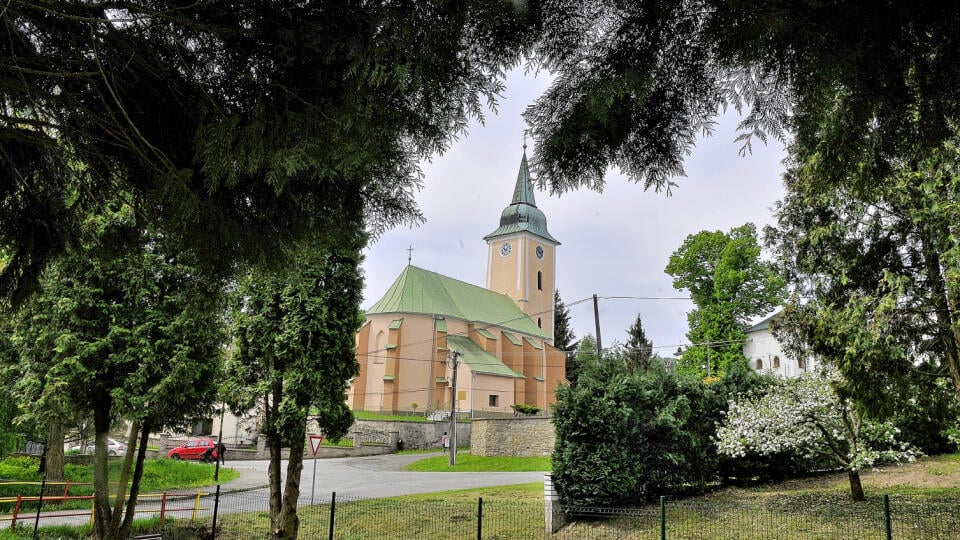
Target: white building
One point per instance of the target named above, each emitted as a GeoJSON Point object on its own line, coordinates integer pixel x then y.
{"type": "Point", "coordinates": [766, 355]}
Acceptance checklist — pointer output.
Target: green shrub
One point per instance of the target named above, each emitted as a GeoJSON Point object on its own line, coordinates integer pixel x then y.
{"type": "Point", "coordinates": [525, 409]}
{"type": "Point", "coordinates": [622, 436]}
{"type": "Point", "coordinates": [626, 437]}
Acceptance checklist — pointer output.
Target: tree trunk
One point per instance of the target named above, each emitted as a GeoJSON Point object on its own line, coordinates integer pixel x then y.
{"type": "Point", "coordinates": [121, 496]}
{"type": "Point", "coordinates": [53, 457]}
{"type": "Point", "coordinates": [127, 524]}
{"type": "Point", "coordinates": [856, 488]}
{"type": "Point", "coordinates": [288, 523]}
{"type": "Point", "coordinates": [946, 331]}
{"type": "Point", "coordinates": [275, 445]}
{"type": "Point", "coordinates": [102, 512]}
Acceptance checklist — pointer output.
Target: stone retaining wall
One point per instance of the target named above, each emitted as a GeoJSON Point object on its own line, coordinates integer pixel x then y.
{"type": "Point", "coordinates": [415, 435]}
{"type": "Point", "coordinates": [520, 436]}
{"type": "Point", "coordinates": [370, 438]}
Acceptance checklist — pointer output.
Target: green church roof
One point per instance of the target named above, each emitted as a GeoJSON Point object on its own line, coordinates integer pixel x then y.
{"type": "Point", "coordinates": [420, 291]}
{"type": "Point", "coordinates": [523, 215]}
{"type": "Point", "coordinates": [479, 360]}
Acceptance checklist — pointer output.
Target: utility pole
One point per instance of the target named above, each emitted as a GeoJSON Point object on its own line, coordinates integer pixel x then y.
{"type": "Point", "coordinates": [596, 321]}
{"type": "Point", "coordinates": [454, 362]}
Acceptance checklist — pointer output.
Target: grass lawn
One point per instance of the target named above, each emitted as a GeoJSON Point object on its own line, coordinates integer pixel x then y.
{"type": "Point", "coordinates": [471, 463]}
{"type": "Point", "coordinates": [817, 507]}
{"type": "Point", "coordinates": [342, 443]}
{"type": "Point", "coordinates": [814, 507]}
{"type": "Point", "coordinates": [448, 514]}
{"type": "Point", "coordinates": [369, 415]}
{"type": "Point", "coordinates": [19, 476]}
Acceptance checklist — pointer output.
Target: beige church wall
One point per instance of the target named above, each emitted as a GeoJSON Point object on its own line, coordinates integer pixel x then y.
{"type": "Point", "coordinates": [465, 384]}
{"type": "Point", "coordinates": [539, 301]}
{"type": "Point", "coordinates": [511, 355]}
{"type": "Point", "coordinates": [413, 378]}
{"type": "Point", "coordinates": [374, 355]}
{"type": "Point", "coordinates": [532, 368]}
{"type": "Point", "coordinates": [556, 373]}
{"type": "Point", "coordinates": [356, 393]}
{"type": "Point", "coordinates": [503, 271]}
{"type": "Point", "coordinates": [483, 386]}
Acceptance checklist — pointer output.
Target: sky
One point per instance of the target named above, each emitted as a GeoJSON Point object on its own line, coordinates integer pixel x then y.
{"type": "Point", "coordinates": [613, 244]}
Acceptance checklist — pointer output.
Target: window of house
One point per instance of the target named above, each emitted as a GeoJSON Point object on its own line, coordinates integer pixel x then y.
{"type": "Point", "coordinates": [801, 364]}
{"type": "Point", "coordinates": [494, 400]}
{"type": "Point", "coordinates": [776, 362]}
{"type": "Point", "coordinates": [759, 364]}
{"type": "Point", "coordinates": [539, 280]}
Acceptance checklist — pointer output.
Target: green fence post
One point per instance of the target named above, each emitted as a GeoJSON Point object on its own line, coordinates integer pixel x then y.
{"type": "Point", "coordinates": [663, 518]}
{"type": "Point", "coordinates": [333, 511]}
{"type": "Point", "coordinates": [216, 508]}
{"type": "Point", "coordinates": [479, 518]}
{"type": "Point", "coordinates": [886, 516]}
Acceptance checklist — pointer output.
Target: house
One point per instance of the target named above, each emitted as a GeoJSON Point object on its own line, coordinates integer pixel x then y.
{"type": "Point", "coordinates": [765, 353]}
{"type": "Point", "coordinates": [499, 335]}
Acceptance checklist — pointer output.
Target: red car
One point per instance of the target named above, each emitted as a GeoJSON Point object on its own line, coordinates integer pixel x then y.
{"type": "Point", "coordinates": [201, 449]}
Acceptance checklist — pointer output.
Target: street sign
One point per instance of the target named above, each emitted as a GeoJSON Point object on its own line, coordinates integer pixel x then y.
{"type": "Point", "coordinates": [315, 441]}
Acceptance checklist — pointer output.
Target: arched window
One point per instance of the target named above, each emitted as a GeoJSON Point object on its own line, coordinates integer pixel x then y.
{"type": "Point", "coordinates": [759, 364]}
{"type": "Point", "coordinates": [776, 362]}
{"type": "Point", "coordinates": [801, 364]}
{"type": "Point", "coordinates": [539, 280]}
{"type": "Point", "coordinates": [539, 322]}
{"type": "Point", "coordinates": [380, 351]}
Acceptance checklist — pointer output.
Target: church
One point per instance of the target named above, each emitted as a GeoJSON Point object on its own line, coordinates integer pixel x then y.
{"type": "Point", "coordinates": [499, 336]}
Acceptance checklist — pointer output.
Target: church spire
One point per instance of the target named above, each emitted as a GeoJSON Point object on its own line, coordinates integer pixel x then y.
{"type": "Point", "coordinates": [523, 193]}
{"type": "Point", "coordinates": [522, 214]}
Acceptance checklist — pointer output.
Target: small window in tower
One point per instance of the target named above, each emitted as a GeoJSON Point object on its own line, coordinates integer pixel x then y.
{"type": "Point", "coordinates": [776, 362]}
{"type": "Point", "coordinates": [759, 364]}
{"type": "Point", "coordinates": [539, 280]}
{"type": "Point", "coordinates": [801, 364]}
{"type": "Point", "coordinates": [494, 400]}
{"type": "Point", "coordinates": [539, 322]}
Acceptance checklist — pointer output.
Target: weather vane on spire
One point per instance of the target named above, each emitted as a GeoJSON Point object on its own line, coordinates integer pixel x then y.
{"type": "Point", "coordinates": [524, 140]}
{"type": "Point", "coordinates": [409, 255]}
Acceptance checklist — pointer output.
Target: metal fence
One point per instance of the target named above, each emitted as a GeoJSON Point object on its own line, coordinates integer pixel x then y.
{"type": "Point", "coordinates": [883, 518]}
{"type": "Point", "coordinates": [437, 516]}
{"type": "Point", "coordinates": [244, 515]}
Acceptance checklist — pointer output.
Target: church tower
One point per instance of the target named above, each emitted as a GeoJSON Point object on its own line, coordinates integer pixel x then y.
{"type": "Point", "coordinates": [521, 255]}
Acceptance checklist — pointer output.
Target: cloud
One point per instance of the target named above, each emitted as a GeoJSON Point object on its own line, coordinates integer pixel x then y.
{"type": "Point", "coordinates": [614, 243]}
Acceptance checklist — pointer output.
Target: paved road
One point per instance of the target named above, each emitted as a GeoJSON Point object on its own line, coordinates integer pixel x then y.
{"type": "Point", "coordinates": [373, 477]}
{"type": "Point", "coordinates": [361, 477]}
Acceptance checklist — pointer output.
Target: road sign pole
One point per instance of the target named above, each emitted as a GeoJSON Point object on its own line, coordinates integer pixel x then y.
{"type": "Point", "coordinates": [314, 485]}
{"type": "Point", "coordinates": [315, 442]}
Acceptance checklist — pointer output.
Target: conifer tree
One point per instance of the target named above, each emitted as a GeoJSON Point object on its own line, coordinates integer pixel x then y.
{"type": "Point", "coordinates": [563, 336]}
{"type": "Point", "coordinates": [639, 348]}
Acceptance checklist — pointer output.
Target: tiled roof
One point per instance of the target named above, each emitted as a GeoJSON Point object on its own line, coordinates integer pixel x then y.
{"type": "Point", "coordinates": [479, 360]}
{"type": "Point", "coordinates": [420, 291]}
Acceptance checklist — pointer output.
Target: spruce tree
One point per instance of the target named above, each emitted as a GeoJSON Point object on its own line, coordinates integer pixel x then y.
{"type": "Point", "coordinates": [639, 348]}
{"type": "Point", "coordinates": [563, 336]}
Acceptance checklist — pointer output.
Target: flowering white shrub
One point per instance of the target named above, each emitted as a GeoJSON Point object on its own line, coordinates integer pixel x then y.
{"type": "Point", "coordinates": [806, 415]}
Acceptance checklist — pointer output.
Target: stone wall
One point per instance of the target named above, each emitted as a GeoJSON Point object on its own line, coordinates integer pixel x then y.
{"type": "Point", "coordinates": [415, 435]}
{"type": "Point", "coordinates": [371, 437]}
{"type": "Point", "coordinates": [513, 437]}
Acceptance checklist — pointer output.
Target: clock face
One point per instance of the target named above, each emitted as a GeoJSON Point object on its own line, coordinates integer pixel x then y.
{"type": "Point", "coordinates": [539, 252]}
{"type": "Point", "coordinates": [505, 249]}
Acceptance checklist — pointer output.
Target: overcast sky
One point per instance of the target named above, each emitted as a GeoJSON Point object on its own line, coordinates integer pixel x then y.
{"type": "Point", "coordinates": [614, 243]}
